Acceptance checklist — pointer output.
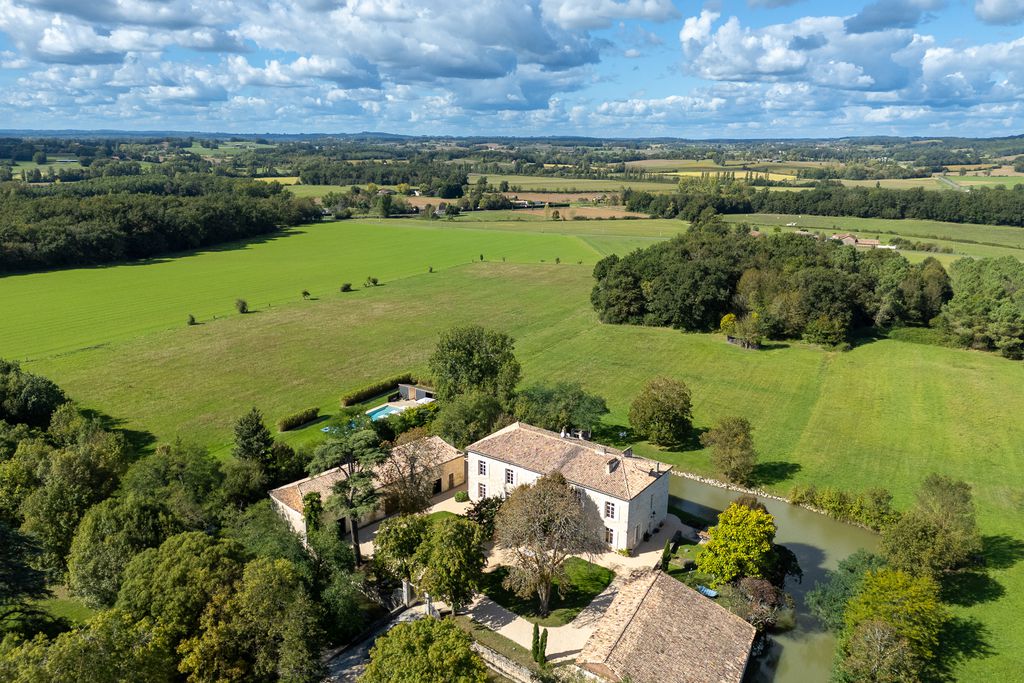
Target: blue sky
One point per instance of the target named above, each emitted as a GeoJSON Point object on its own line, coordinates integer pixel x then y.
{"type": "Point", "coordinates": [629, 68]}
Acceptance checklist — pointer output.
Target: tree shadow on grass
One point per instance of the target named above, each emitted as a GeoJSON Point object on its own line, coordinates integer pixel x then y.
{"type": "Point", "coordinates": [773, 472]}
{"type": "Point", "coordinates": [141, 441]}
{"type": "Point", "coordinates": [1001, 551]}
{"type": "Point", "coordinates": [970, 588]}
{"type": "Point", "coordinates": [961, 639]}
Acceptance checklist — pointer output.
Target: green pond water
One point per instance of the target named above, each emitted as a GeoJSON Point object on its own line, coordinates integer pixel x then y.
{"type": "Point", "coordinates": [804, 654]}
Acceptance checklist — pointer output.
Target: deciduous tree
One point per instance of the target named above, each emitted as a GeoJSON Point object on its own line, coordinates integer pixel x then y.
{"type": "Point", "coordinates": [396, 543]}
{"type": "Point", "coordinates": [828, 599]}
{"type": "Point", "coordinates": [939, 533]}
{"type": "Point", "coordinates": [467, 418]}
{"type": "Point", "coordinates": [425, 651]}
{"type": "Point", "coordinates": [542, 524]}
{"type": "Point", "coordinates": [908, 604]}
{"type": "Point", "coordinates": [740, 545]}
{"type": "Point", "coordinates": [473, 358]}
{"type": "Point", "coordinates": [563, 405]}
{"type": "Point", "coordinates": [264, 628]}
{"type": "Point", "coordinates": [732, 449]}
{"type": "Point", "coordinates": [110, 534]}
{"type": "Point", "coordinates": [662, 411]}
{"type": "Point", "coordinates": [172, 584]}
{"type": "Point", "coordinates": [452, 558]}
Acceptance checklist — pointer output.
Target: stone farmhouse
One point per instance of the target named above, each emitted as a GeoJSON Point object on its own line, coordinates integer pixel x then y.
{"type": "Point", "coordinates": [447, 462]}
{"type": "Point", "coordinates": [630, 492]}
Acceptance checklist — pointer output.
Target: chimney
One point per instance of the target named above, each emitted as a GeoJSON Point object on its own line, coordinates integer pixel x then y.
{"type": "Point", "coordinates": [563, 432]}
{"type": "Point", "coordinates": [628, 452]}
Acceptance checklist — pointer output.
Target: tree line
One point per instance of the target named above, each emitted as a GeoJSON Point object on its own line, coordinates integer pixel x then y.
{"type": "Point", "coordinates": [995, 206]}
{"type": "Point", "coordinates": [778, 286]}
{"type": "Point", "coordinates": [127, 217]}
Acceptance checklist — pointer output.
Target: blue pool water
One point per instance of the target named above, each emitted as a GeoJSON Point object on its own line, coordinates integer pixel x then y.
{"type": "Point", "coordinates": [382, 412]}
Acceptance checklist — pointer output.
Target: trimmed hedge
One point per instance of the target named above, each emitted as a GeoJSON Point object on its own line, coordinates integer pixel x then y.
{"type": "Point", "coordinates": [297, 419]}
{"type": "Point", "coordinates": [379, 387]}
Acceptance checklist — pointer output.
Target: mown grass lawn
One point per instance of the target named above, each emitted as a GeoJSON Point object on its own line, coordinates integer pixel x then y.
{"type": "Point", "coordinates": [584, 581]}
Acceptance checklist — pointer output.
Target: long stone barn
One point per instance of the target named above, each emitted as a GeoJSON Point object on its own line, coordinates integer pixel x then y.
{"type": "Point", "coordinates": [448, 464]}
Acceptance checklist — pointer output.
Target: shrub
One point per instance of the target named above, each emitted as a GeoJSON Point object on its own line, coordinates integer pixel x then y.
{"type": "Point", "coordinates": [241, 305]}
{"type": "Point", "coordinates": [461, 497]}
{"type": "Point", "coordinates": [346, 287]}
{"type": "Point", "coordinates": [191, 319]}
{"type": "Point", "coordinates": [379, 387]}
{"type": "Point", "coordinates": [371, 281]}
{"type": "Point", "coordinates": [872, 508]}
{"type": "Point", "coordinates": [305, 294]}
{"type": "Point", "coordinates": [297, 419]}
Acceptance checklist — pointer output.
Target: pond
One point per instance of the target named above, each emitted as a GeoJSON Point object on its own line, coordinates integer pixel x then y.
{"type": "Point", "coordinates": [803, 655]}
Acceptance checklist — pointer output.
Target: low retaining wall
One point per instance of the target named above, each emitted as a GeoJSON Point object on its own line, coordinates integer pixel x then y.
{"type": "Point", "coordinates": [501, 664]}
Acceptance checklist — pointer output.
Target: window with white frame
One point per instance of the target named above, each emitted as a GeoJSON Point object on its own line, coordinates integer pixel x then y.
{"type": "Point", "coordinates": [481, 468]}
{"type": "Point", "coordinates": [481, 490]}
{"type": "Point", "coordinates": [609, 510]}
{"type": "Point", "coordinates": [510, 476]}
{"type": "Point", "coordinates": [609, 536]}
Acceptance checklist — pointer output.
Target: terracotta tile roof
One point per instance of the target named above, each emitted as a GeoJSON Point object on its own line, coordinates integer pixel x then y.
{"type": "Point", "coordinates": [583, 463]}
{"type": "Point", "coordinates": [658, 629]}
{"type": "Point", "coordinates": [430, 449]}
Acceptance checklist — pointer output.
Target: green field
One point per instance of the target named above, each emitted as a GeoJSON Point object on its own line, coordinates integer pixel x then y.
{"type": "Point", "coordinates": [886, 413]}
{"type": "Point", "coordinates": [900, 183]}
{"type": "Point", "coordinates": [316, 190]}
{"type": "Point", "coordinates": [987, 181]}
{"type": "Point", "coordinates": [69, 310]}
{"type": "Point", "coordinates": [528, 183]}
{"type": "Point", "coordinates": [966, 238]}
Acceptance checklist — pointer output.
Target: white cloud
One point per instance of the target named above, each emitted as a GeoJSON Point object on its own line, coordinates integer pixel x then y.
{"type": "Point", "coordinates": [591, 14]}
{"type": "Point", "coordinates": [1000, 11]}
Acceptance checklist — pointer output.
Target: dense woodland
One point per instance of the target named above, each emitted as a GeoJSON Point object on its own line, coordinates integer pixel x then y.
{"type": "Point", "coordinates": [194, 574]}
{"type": "Point", "coordinates": [127, 217]}
{"type": "Point", "coordinates": [778, 286]}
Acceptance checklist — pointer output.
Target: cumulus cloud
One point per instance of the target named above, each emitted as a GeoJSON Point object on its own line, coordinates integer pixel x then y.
{"type": "Point", "coordinates": [530, 65]}
{"type": "Point", "coordinates": [885, 14]}
{"type": "Point", "coordinates": [591, 14]}
{"type": "Point", "coordinates": [1000, 11]}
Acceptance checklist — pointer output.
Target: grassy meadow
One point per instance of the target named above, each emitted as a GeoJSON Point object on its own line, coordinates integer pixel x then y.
{"type": "Point", "coordinates": [555, 184]}
{"type": "Point", "coordinates": [66, 311]}
{"type": "Point", "coordinates": [887, 412]}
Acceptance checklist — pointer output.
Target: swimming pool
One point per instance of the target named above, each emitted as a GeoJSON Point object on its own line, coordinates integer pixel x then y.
{"type": "Point", "coordinates": [380, 412]}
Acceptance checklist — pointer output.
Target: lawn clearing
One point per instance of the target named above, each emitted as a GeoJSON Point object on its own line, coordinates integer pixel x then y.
{"type": "Point", "coordinates": [63, 605]}
{"type": "Point", "coordinates": [584, 582]}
